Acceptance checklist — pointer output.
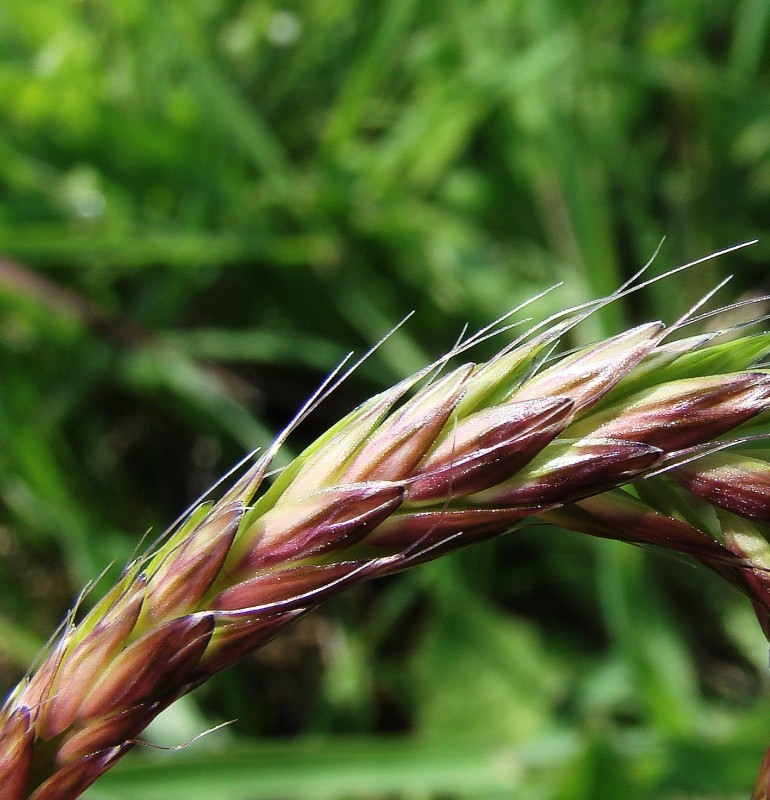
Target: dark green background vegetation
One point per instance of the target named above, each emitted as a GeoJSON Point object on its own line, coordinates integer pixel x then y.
{"type": "Point", "coordinates": [205, 204]}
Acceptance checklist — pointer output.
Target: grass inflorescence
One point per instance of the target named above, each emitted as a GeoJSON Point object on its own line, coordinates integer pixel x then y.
{"type": "Point", "coordinates": [655, 436]}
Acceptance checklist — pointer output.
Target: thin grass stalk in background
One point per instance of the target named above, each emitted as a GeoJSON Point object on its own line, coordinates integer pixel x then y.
{"type": "Point", "coordinates": [655, 436]}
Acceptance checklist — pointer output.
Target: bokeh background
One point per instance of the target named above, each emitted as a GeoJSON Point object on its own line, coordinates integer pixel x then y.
{"type": "Point", "coordinates": [205, 204]}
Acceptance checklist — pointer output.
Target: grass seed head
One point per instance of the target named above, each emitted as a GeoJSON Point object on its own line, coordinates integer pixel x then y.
{"type": "Point", "coordinates": [583, 440]}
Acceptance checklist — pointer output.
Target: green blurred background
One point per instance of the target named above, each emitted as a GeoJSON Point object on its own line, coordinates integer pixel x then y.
{"type": "Point", "coordinates": [206, 204]}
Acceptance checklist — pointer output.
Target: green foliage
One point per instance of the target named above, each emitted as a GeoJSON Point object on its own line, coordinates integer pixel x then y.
{"type": "Point", "coordinates": [226, 197]}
